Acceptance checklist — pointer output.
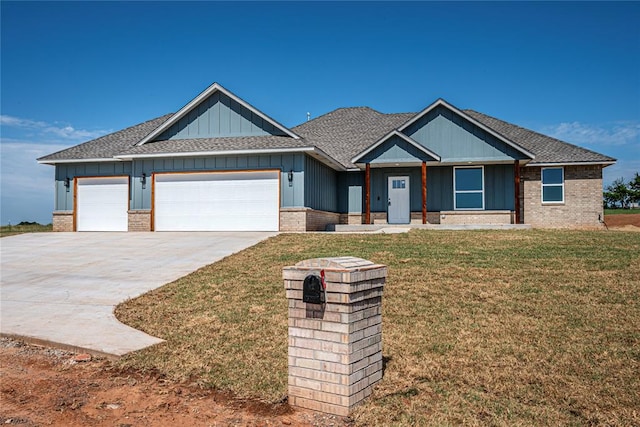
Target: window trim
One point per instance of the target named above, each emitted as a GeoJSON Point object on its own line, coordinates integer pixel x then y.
{"type": "Point", "coordinates": [455, 192]}
{"type": "Point", "coordinates": [543, 185]}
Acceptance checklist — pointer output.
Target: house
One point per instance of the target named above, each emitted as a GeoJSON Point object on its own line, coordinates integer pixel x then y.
{"type": "Point", "coordinates": [219, 163]}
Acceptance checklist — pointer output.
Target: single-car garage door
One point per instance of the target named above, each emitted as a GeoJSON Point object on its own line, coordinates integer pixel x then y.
{"type": "Point", "coordinates": [102, 204]}
{"type": "Point", "coordinates": [221, 201]}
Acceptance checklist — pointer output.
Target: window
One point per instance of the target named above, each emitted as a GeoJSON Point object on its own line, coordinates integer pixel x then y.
{"type": "Point", "coordinates": [398, 183]}
{"type": "Point", "coordinates": [468, 184]}
{"type": "Point", "coordinates": [552, 185]}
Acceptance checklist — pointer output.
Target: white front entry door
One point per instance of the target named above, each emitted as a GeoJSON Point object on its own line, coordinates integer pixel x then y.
{"type": "Point", "coordinates": [102, 203]}
{"type": "Point", "coordinates": [399, 210]}
{"type": "Point", "coordinates": [217, 201]}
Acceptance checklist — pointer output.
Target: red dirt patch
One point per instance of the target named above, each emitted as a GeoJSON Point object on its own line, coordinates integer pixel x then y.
{"type": "Point", "coordinates": [624, 221]}
{"type": "Point", "coordinates": [41, 386]}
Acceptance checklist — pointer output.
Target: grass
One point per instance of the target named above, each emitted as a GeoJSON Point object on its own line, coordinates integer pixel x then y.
{"type": "Point", "coordinates": [618, 211]}
{"type": "Point", "coordinates": [32, 227]}
{"type": "Point", "coordinates": [479, 327]}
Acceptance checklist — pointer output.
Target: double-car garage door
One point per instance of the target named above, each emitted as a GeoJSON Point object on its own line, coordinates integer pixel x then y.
{"type": "Point", "coordinates": [221, 201]}
{"type": "Point", "coordinates": [224, 201]}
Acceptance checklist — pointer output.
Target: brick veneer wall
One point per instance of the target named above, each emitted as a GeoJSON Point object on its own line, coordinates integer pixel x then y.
{"type": "Point", "coordinates": [453, 217]}
{"type": "Point", "coordinates": [318, 220]}
{"type": "Point", "coordinates": [305, 219]}
{"type": "Point", "coordinates": [475, 217]}
{"type": "Point", "coordinates": [140, 220]}
{"type": "Point", "coordinates": [582, 198]}
{"type": "Point", "coordinates": [62, 221]}
{"type": "Point", "coordinates": [351, 219]}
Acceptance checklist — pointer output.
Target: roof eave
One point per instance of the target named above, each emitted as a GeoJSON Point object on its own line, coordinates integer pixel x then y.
{"type": "Point", "coordinates": [569, 163]}
{"type": "Point", "coordinates": [198, 99]}
{"type": "Point", "coordinates": [92, 160]}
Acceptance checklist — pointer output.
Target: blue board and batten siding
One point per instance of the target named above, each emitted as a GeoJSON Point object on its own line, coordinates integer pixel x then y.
{"type": "Point", "coordinates": [499, 184]}
{"type": "Point", "coordinates": [456, 139]}
{"type": "Point", "coordinates": [439, 188]}
{"type": "Point", "coordinates": [350, 192]}
{"type": "Point", "coordinates": [64, 195]}
{"type": "Point", "coordinates": [395, 150]}
{"type": "Point", "coordinates": [320, 186]}
{"type": "Point", "coordinates": [291, 195]}
{"type": "Point", "coordinates": [219, 116]}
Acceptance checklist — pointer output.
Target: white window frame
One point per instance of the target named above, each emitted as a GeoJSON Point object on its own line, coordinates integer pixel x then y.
{"type": "Point", "coordinates": [455, 192]}
{"type": "Point", "coordinates": [543, 185]}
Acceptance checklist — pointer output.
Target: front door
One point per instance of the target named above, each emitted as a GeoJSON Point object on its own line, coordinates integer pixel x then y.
{"type": "Point", "coordinates": [399, 211]}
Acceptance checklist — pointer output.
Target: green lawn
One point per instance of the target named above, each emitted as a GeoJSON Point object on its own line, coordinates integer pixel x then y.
{"type": "Point", "coordinates": [621, 211]}
{"type": "Point", "coordinates": [480, 327]}
{"type": "Point", "coordinates": [10, 230]}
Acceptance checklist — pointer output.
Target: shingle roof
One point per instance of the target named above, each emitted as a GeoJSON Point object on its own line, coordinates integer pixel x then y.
{"type": "Point", "coordinates": [196, 145]}
{"type": "Point", "coordinates": [545, 148]}
{"type": "Point", "coordinates": [345, 132]}
{"type": "Point", "coordinates": [341, 134]}
{"type": "Point", "coordinates": [108, 146]}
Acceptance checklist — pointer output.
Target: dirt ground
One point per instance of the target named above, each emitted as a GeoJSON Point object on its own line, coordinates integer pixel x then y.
{"type": "Point", "coordinates": [47, 387]}
{"type": "Point", "coordinates": [627, 222]}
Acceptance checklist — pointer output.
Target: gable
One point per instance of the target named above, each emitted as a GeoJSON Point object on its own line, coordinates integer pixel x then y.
{"type": "Point", "coordinates": [219, 115]}
{"type": "Point", "coordinates": [396, 150]}
{"type": "Point", "coordinates": [457, 139]}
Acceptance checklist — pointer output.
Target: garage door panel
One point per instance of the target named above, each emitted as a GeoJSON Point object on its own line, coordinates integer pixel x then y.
{"type": "Point", "coordinates": [102, 204]}
{"type": "Point", "coordinates": [237, 201]}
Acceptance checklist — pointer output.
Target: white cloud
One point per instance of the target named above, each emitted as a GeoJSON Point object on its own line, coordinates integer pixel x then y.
{"type": "Point", "coordinates": [624, 168]}
{"type": "Point", "coordinates": [26, 192]}
{"type": "Point", "coordinates": [47, 130]}
{"type": "Point", "coordinates": [612, 134]}
{"type": "Point", "coordinates": [21, 123]}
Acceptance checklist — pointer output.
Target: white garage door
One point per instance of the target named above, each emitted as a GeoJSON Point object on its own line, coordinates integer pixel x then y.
{"type": "Point", "coordinates": [102, 204]}
{"type": "Point", "coordinates": [224, 201]}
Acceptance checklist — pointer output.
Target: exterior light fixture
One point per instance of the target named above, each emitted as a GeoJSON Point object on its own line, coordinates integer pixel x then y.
{"type": "Point", "coordinates": [143, 180]}
{"type": "Point", "coordinates": [67, 182]}
{"type": "Point", "coordinates": [290, 177]}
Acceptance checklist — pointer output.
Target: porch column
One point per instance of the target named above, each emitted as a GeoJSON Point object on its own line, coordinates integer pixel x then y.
{"type": "Point", "coordinates": [516, 175]}
{"type": "Point", "coordinates": [367, 194]}
{"type": "Point", "coordinates": [424, 192]}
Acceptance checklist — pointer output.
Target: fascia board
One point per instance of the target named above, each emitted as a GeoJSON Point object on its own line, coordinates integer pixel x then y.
{"type": "Point", "coordinates": [201, 97]}
{"type": "Point", "coordinates": [474, 162]}
{"type": "Point", "coordinates": [418, 116]}
{"type": "Point", "coordinates": [547, 164]}
{"type": "Point", "coordinates": [53, 162]}
{"type": "Point", "coordinates": [444, 103]}
{"type": "Point", "coordinates": [394, 132]}
{"type": "Point", "coordinates": [400, 165]}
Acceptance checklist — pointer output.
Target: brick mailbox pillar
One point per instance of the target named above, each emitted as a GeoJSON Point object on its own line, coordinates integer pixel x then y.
{"type": "Point", "coordinates": [335, 347]}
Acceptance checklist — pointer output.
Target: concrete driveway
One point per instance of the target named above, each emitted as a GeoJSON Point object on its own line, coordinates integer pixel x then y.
{"type": "Point", "coordinates": [62, 287]}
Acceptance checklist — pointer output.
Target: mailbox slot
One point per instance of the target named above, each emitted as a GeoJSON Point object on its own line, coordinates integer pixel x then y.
{"type": "Point", "coordinates": [313, 290]}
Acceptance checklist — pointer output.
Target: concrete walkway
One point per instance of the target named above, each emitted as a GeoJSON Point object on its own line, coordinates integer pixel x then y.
{"type": "Point", "coordinates": [61, 288]}
{"type": "Point", "coordinates": [403, 228]}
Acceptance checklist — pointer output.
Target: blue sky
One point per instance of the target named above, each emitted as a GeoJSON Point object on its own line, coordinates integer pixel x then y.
{"type": "Point", "coordinates": [72, 71]}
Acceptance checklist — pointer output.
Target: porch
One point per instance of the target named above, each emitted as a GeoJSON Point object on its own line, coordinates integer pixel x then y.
{"type": "Point", "coordinates": [396, 228]}
{"type": "Point", "coordinates": [484, 194]}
